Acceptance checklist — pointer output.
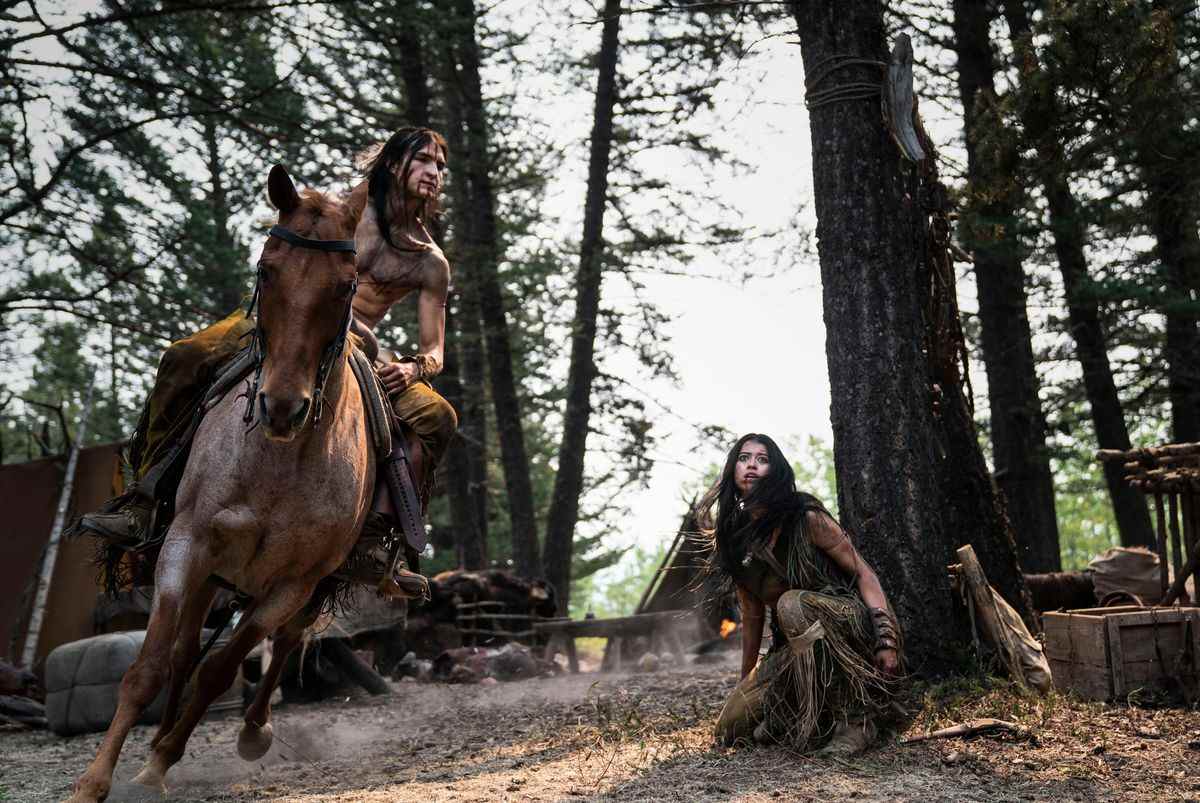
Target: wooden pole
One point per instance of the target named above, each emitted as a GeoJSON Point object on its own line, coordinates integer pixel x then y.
{"type": "Point", "coordinates": [1189, 533]}
{"type": "Point", "coordinates": [1161, 521]}
{"type": "Point", "coordinates": [38, 614]}
{"type": "Point", "coordinates": [1180, 579]}
{"type": "Point", "coordinates": [1176, 541]}
{"type": "Point", "coordinates": [985, 606]}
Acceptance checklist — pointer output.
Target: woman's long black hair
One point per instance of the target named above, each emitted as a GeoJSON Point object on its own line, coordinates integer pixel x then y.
{"type": "Point", "coordinates": [741, 522]}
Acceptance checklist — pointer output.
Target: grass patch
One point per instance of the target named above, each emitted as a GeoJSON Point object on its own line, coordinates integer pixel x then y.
{"type": "Point", "coordinates": [960, 699]}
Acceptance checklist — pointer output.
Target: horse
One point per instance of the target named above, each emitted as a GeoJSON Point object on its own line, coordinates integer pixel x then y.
{"type": "Point", "coordinates": [272, 498]}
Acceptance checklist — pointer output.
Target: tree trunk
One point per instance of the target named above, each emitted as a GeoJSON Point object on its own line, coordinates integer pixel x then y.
{"type": "Point", "coordinates": [568, 482]}
{"type": "Point", "coordinates": [229, 284]}
{"type": "Point", "coordinates": [468, 450]}
{"type": "Point", "coordinates": [1167, 168]}
{"type": "Point", "coordinates": [989, 229]}
{"type": "Point", "coordinates": [482, 248]}
{"type": "Point", "coordinates": [1039, 114]}
{"type": "Point", "coordinates": [413, 70]}
{"type": "Point", "coordinates": [871, 235]}
{"type": "Point", "coordinates": [469, 541]}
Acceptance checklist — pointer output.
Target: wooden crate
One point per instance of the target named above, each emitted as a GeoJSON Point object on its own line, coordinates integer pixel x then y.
{"type": "Point", "coordinates": [1107, 653]}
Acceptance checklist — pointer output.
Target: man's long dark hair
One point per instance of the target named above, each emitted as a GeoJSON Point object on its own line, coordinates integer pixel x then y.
{"type": "Point", "coordinates": [740, 522]}
{"type": "Point", "coordinates": [388, 165]}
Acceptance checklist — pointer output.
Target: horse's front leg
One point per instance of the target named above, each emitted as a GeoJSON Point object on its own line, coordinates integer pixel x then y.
{"type": "Point", "coordinates": [184, 652]}
{"type": "Point", "coordinates": [264, 616]}
{"type": "Point", "coordinates": [256, 735]}
{"type": "Point", "coordinates": [176, 579]}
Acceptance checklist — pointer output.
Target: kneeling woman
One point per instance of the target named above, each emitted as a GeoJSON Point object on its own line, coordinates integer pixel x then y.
{"type": "Point", "coordinates": [830, 675]}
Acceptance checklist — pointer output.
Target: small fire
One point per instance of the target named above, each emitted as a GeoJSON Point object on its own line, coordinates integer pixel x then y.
{"type": "Point", "coordinates": [727, 627]}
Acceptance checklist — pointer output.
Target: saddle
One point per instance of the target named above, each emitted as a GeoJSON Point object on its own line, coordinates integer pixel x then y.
{"type": "Point", "coordinates": [387, 434]}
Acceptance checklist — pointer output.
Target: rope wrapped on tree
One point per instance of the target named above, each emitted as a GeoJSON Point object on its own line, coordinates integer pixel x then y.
{"type": "Point", "coordinates": [894, 91]}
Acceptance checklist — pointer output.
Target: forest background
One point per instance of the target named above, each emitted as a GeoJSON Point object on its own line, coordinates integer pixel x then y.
{"type": "Point", "coordinates": [651, 159]}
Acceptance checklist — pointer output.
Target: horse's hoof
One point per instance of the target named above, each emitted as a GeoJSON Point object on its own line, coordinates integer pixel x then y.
{"type": "Point", "coordinates": [254, 741]}
{"type": "Point", "coordinates": [151, 778]}
{"type": "Point", "coordinates": [86, 792]}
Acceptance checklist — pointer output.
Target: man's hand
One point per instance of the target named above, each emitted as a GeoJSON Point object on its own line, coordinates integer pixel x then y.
{"type": "Point", "coordinates": [888, 662]}
{"type": "Point", "coordinates": [396, 376]}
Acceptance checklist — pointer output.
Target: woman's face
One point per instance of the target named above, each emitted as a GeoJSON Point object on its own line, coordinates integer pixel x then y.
{"type": "Point", "coordinates": [751, 466]}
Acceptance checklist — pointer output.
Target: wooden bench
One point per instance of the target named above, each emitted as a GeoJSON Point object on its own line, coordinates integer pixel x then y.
{"type": "Point", "coordinates": [659, 628]}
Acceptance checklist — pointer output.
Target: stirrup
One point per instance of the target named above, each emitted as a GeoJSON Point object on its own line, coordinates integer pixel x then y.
{"type": "Point", "coordinates": [374, 562]}
{"type": "Point", "coordinates": [125, 523]}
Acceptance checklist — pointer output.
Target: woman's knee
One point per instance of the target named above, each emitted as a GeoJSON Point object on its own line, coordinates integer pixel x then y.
{"type": "Point", "coordinates": [796, 610]}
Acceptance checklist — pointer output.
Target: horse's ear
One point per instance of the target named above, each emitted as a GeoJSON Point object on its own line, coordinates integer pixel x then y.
{"type": "Point", "coordinates": [281, 190]}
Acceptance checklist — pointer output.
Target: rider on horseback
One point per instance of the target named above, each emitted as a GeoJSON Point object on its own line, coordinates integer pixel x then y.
{"type": "Point", "coordinates": [396, 256]}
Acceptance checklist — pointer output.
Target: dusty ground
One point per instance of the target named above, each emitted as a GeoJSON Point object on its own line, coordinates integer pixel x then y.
{"type": "Point", "coordinates": [635, 737]}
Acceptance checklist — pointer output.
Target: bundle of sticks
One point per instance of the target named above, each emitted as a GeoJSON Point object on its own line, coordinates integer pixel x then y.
{"type": "Point", "coordinates": [1172, 474]}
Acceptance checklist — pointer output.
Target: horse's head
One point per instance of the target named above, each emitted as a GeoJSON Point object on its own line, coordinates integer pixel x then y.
{"type": "Point", "coordinates": [306, 282]}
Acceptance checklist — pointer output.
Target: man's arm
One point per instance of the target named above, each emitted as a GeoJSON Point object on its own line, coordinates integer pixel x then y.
{"type": "Point", "coordinates": [753, 615]}
{"type": "Point", "coordinates": [431, 331]}
{"type": "Point", "coordinates": [831, 539]}
{"type": "Point", "coordinates": [431, 317]}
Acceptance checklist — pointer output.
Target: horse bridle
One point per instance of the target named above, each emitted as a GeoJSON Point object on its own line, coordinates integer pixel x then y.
{"type": "Point", "coordinates": [258, 335]}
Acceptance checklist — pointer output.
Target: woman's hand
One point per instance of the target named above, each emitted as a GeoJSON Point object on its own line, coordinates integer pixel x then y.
{"type": "Point", "coordinates": [887, 661]}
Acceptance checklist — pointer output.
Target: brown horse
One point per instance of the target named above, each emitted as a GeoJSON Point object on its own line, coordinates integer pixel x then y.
{"type": "Point", "coordinates": [271, 505]}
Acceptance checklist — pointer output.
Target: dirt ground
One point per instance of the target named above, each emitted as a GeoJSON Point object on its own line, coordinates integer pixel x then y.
{"type": "Point", "coordinates": [635, 737]}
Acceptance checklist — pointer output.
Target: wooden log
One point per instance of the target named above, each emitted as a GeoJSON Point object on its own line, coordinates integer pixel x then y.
{"type": "Point", "coordinates": [1150, 454]}
{"type": "Point", "coordinates": [985, 608]}
{"type": "Point", "coordinates": [1178, 484]}
{"type": "Point", "coordinates": [1161, 523]}
{"type": "Point", "coordinates": [22, 710]}
{"type": "Point", "coordinates": [339, 652]}
{"type": "Point", "coordinates": [972, 728]}
{"type": "Point", "coordinates": [1190, 462]}
{"type": "Point", "coordinates": [1169, 473]}
{"type": "Point", "coordinates": [639, 624]}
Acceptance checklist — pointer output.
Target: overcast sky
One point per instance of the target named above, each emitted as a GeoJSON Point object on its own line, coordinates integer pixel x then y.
{"type": "Point", "coordinates": [726, 335]}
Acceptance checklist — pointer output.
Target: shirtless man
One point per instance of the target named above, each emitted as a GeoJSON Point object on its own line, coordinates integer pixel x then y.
{"type": "Point", "coordinates": [396, 256]}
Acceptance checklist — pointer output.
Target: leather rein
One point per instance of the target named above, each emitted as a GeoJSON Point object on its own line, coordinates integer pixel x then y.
{"type": "Point", "coordinates": [258, 341]}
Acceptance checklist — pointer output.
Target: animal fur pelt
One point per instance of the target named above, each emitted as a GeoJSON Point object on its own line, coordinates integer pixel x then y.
{"type": "Point", "coordinates": [1061, 590]}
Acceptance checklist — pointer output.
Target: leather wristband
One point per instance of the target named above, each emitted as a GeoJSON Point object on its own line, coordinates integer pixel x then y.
{"type": "Point", "coordinates": [886, 631]}
{"type": "Point", "coordinates": [427, 367]}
